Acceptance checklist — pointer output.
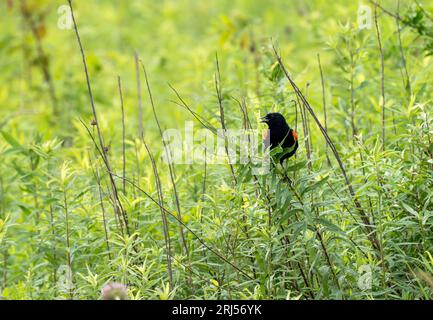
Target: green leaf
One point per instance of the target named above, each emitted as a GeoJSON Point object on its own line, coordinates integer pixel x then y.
{"type": "Point", "coordinates": [315, 185]}
{"type": "Point", "coordinates": [330, 226]}
{"type": "Point", "coordinates": [409, 209]}
{"type": "Point", "coordinates": [296, 166]}
{"type": "Point", "coordinates": [288, 214]}
{"type": "Point", "coordinates": [11, 140]}
{"type": "Point", "coordinates": [276, 72]}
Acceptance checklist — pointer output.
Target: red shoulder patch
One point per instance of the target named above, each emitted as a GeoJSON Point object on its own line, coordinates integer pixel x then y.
{"type": "Point", "coordinates": [295, 135]}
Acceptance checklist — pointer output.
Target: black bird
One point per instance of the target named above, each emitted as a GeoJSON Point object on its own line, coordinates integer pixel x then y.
{"type": "Point", "coordinates": [281, 134]}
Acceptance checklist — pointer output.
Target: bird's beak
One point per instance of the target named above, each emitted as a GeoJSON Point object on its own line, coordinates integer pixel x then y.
{"type": "Point", "coordinates": [264, 119]}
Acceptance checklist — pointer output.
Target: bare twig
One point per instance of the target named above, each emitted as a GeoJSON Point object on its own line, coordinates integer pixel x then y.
{"type": "Point", "coordinates": [184, 105]}
{"type": "Point", "coordinates": [377, 5]}
{"type": "Point", "coordinates": [307, 119]}
{"type": "Point", "coordinates": [400, 45]}
{"type": "Point", "coordinates": [352, 93]}
{"type": "Point", "coordinates": [222, 117]}
{"type": "Point", "coordinates": [140, 103]}
{"type": "Point", "coordinates": [322, 80]}
{"type": "Point", "coordinates": [426, 13]}
{"type": "Point", "coordinates": [369, 227]}
{"type": "Point", "coordinates": [165, 225]}
{"type": "Point", "coordinates": [112, 197]}
{"type": "Point", "coordinates": [306, 133]}
{"type": "Point", "coordinates": [123, 135]}
{"type": "Point", "coordinates": [172, 172]}
{"type": "Point", "coordinates": [170, 165]}
{"type": "Point", "coordinates": [97, 177]}
{"type": "Point", "coordinates": [118, 205]}
{"type": "Point", "coordinates": [382, 73]}
{"type": "Point", "coordinates": [328, 259]}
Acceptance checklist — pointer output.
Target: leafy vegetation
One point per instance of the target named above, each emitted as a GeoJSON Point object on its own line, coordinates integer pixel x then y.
{"type": "Point", "coordinates": [79, 210]}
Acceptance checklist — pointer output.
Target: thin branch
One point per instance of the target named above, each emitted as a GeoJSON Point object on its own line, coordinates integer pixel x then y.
{"type": "Point", "coordinates": [400, 45]}
{"type": "Point", "coordinates": [170, 167]}
{"type": "Point", "coordinates": [112, 197]}
{"type": "Point", "coordinates": [97, 177]}
{"type": "Point", "coordinates": [382, 74]}
{"type": "Point", "coordinates": [171, 170]}
{"type": "Point", "coordinates": [306, 133]}
{"type": "Point", "coordinates": [140, 103]}
{"type": "Point", "coordinates": [376, 5]}
{"type": "Point", "coordinates": [123, 135]}
{"type": "Point", "coordinates": [322, 80]}
{"type": "Point", "coordinates": [369, 227]}
{"type": "Point", "coordinates": [165, 225]}
{"type": "Point", "coordinates": [184, 105]}
{"type": "Point", "coordinates": [352, 92]}
{"type": "Point", "coordinates": [426, 13]}
{"type": "Point", "coordinates": [328, 259]}
{"type": "Point", "coordinates": [118, 205]}
{"type": "Point", "coordinates": [222, 117]}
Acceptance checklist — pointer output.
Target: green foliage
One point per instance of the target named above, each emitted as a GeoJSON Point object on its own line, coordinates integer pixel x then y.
{"type": "Point", "coordinates": [295, 233]}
